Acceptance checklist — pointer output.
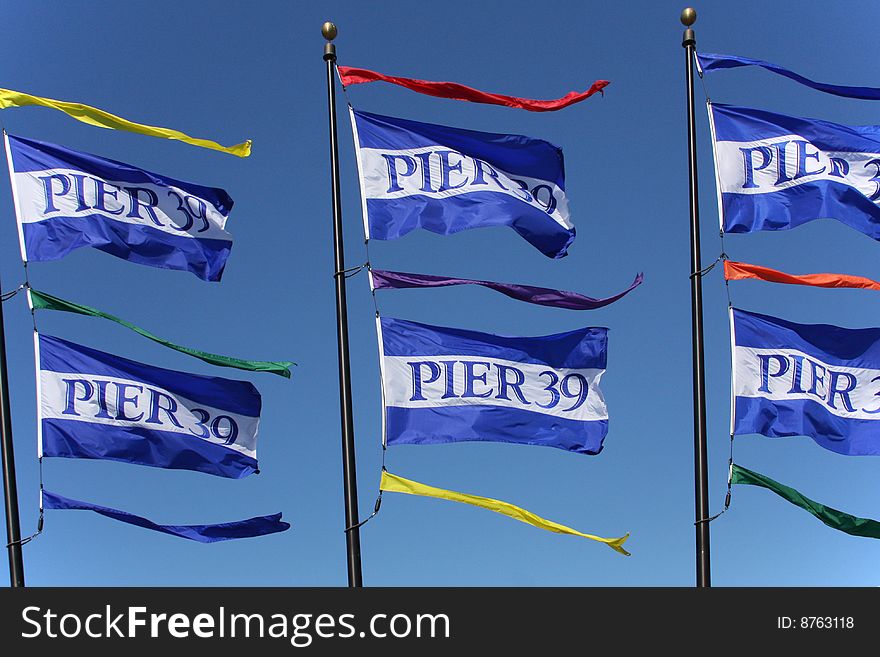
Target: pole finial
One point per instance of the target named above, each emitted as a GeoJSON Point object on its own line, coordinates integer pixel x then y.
{"type": "Point", "coordinates": [328, 30]}
{"type": "Point", "coordinates": [688, 16]}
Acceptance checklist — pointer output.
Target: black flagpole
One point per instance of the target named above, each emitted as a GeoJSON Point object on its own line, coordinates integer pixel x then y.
{"type": "Point", "coordinates": [10, 491]}
{"type": "Point", "coordinates": [349, 470]}
{"type": "Point", "coordinates": [701, 474]}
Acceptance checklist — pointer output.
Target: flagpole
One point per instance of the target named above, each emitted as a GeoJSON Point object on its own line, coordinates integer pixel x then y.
{"type": "Point", "coordinates": [349, 470]}
{"type": "Point", "coordinates": [10, 490]}
{"type": "Point", "coordinates": [701, 474]}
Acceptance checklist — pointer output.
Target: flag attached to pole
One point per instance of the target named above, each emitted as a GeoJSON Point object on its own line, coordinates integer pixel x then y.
{"type": "Point", "coordinates": [250, 528]}
{"type": "Point", "coordinates": [835, 519]}
{"type": "Point", "coordinates": [443, 385]}
{"type": "Point", "coordinates": [101, 119]}
{"type": "Point", "coordinates": [776, 172]}
{"type": "Point", "coordinates": [738, 271]}
{"type": "Point", "coordinates": [707, 62]}
{"type": "Point", "coordinates": [455, 91]}
{"type": "Point", "coordinates": [65, 199]}
{"type": "Point", "coordinates": [95, 405]}
{"type": "Point", "coordinates": [394, 484]}
{"type": "Point", "coordinates": [543, 296]}
{"type": "Point", "coordinates": [811, 380]}
{"type": "Point", "coordinates": [42, 301]}
{"type": "Point", "coordinates": [446, 180]}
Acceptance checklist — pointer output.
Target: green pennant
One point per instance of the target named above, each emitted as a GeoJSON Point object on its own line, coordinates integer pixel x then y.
{"type": "Point", "coordinates": [832, 517]}
{"type": "Point", "coordinates": [43, 301]}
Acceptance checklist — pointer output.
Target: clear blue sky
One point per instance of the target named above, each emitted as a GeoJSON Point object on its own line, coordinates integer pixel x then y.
{"type": "Point", "coordinates": [230, 71]}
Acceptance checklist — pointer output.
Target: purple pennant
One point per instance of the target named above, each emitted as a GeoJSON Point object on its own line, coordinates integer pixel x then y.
{"type": "Point", "coordinates": [249, 528]}
{"type": "Point", "coordinates": [543, 296]}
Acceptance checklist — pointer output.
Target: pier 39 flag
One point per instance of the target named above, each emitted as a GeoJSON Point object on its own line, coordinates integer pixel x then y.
{"type": "Point", "coordinates": [446, 180]}
{"type": "Point", "coordinates": [810, 380]}
{"type": "Point", "coordinates": [66, 199]}
{"type": "Point", "coordinates": [95, 405]}
{"type": "Point", "coordinates": [443, 385]}
{"type": "Point", "coordinates": [776, 172]}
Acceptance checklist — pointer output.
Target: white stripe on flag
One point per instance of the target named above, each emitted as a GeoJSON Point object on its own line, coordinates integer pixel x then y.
{"type": "Point", "coordinates": [79, 397]}
{"type": "Point", "coordinates": [42, 195]}
{"type": "Point", "coordinates": [384, 176]}
{"type": "Point", "coordinates": [790, 374]}
{"type": "Point", "coordinates": [440, 381]}
{"type": "Point", "coordinates": [771, 165]}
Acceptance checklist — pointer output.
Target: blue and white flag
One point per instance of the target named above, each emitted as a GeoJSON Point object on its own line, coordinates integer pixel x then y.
{"type": "Point", "coordinates": [810, 380]}
{"type": "Point", "coordinates": [443, 385]}
{"type": "Point", "coordinates": [776, 172]}
{"type": "Point", "coordinates": [445, 180]}
{"type": "Point", "coordinates": [66, 199]}
{"type": "Point", "coordinates": [95, 405]}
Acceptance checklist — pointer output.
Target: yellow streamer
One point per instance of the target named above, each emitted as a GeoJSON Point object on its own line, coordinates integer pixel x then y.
{"type": "Point", "coordinates": [394, 484]}
{"type": "Point", "coordinates": [102, 119]}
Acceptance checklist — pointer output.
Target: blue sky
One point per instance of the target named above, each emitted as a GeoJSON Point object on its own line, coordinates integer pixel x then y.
{"type": "Point", "coordinates": [232, 71]}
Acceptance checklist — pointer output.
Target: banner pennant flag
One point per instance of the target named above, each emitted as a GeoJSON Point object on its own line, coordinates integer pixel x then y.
{"type": "Point", "coordinates": [738, 271]}
{"type": "Point", "coordinates": [394, 484]}
{"type": "Point", "coordinates": [708, 62]}
{"type": "Point", "coordinates": [225, 531]}
{"type": "Point", "coordinates": [777, 172]}
{"type": "Point", "coordinates": [446, 180]}
{"type": "Point", "coordinates": [42, 301]}
{"type": "Point", "coordinates": [811, 380]}
{"type": "Point", "coordinates": [101, 119]}
{"type": "Point", "coordinates": [542, 296]}
{"type": "Point", "coordinates": [835, 519]}
{"type": "Point", "coordinates": [95, 405]}
{"type": "Point", "coordinates": [350, 75]}
{"type": "Point", "coordinates": [446, 385]}
{"type": "Point", "coordinates": [66, 199]}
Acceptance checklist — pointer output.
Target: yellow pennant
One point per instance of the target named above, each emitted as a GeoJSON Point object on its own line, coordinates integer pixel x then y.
{"type": "Point", "coordinates": [102, 119]}
{"type": "Point", "coordinates": [394, 484]}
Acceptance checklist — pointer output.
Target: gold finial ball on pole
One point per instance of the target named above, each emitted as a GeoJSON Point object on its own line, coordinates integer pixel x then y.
{"type": "Point", "coordinates": [688, 16]}
{"type": "Point", "coordinates": [328, 29]}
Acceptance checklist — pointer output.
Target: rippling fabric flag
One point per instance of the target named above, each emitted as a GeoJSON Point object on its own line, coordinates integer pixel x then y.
{"type": "Point", "coordinates": [65, 200]}
{"type": "Point", "coordinates": [835, 519]}
{"type": "Point", "coordinates": [707, 62]}
{"type": "Point", "coordinates": [381, 279]}
{"type": "Point", "coordinates": [42, 301]}
{"type": "Point", "coordinates": [455, 91]}
{"type": "Point", "coordinates": [811, 380]}
{"type": "Point", "coordinates": [738, 271]}
{"type": "Point", "coordinates": [776, 172]}
{"type": "Point", "coordinates": [101, 119]}
{"type": "Point", "coordinates": [225, 531]}
{"type": "Point", "coordinates": [95, 405]}
{"type": "Point", "coordinates": [446, 180]}
{"type": "Point", "coordinates": [443, 385]}
{"type": "Point", "coordinates": [394, 484]}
